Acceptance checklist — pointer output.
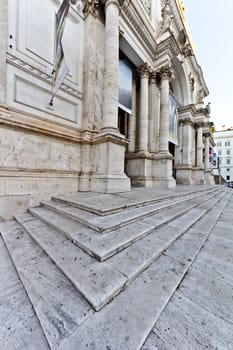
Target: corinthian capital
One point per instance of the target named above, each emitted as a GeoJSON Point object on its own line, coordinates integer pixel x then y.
{"type": "Point", "coordinates": [144, 70]}
{"type": "Point", "coordinates": [91, 6]}
{"type": "Point", "coordinates": [166, 72]}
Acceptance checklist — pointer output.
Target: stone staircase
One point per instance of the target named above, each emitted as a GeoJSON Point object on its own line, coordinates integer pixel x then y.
{"type": "Point", "coordinates": [95, 271]}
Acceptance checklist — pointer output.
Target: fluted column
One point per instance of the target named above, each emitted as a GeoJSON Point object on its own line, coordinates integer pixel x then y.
{"type": "Point", "coordinates": [111, 70]}
{"type": "Point", "coordinates": [144, 107]}
{"type": "Point", "coordinates": [200, 145]}
{"type": "Point", "coordinates": [153, 114]}
{"type": "Point", "coordinates": [132, 119]}
{"type": "Point", "coordinates": [166, 75]}
{"type": "Point", "coordinates": [207, 150]}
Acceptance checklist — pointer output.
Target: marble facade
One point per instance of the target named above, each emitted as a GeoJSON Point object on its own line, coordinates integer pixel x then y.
{"type": "Point", "coordinates": [77, 144]}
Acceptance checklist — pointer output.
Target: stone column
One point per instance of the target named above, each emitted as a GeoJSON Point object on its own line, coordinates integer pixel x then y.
{"type": "Point", "coordinates": [166, 75]}
{"type": "Point", "coordinates": [199, 145]}
{"type": "Point", "coordinates": [153, 114]}
{"type": "Point", "coordinates": [3, 48]}
{"type": "Point", "coordinates": [132, 119]}
{"type": "Point", "coordinates": [207, 150]}
{"type": "Point", "coordinates": [111, 65]}
{"type": "Point", "coordinates": [144, 107]}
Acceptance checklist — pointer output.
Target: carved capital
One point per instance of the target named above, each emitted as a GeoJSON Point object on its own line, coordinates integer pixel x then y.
{"type": "Point", "coordinates": [199, 125]}
{"type": "Point", "coordinates": [144, 70]}
{"type": "Point", "coordinates": [166, 73]}
{"type": "Point", "coordinates": [92, 6]}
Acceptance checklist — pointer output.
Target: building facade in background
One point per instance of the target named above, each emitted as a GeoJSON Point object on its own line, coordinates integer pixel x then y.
{"type": "Point", "coordinates": [130, 111]}
{"type": "Point", "coordinates": [224, 154]}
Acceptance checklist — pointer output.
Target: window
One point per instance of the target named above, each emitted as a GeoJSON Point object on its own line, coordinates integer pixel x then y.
{"type": "Point", "coordinates": [219, 144]}
{"type": "Point", "coordinates": [219, 152]}
{"type": "Point", "coordinates": [228, 152]}
{"type": "Point", "coordinates": [227, 143]}
{"type": "Point", "coordinates": [228, 177]}
{"type": "Point", "coordinates": [228, 161]}
{"type": "Point", "coordinates": [228, 169]}
{"type": "Point", "coordinates": [219, 161]}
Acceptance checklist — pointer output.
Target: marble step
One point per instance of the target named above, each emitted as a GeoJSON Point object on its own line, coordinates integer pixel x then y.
{"type": "Point", "coordinates": [104, 224]}
{"type": "Point", "coordinates": [97, 282]}
{"type": "Point", "coordinates": [134, 259]}
{"type": "Point", "coordinates": [106, 204]}
{"type": "Point", "coordinates": [59, 306]}
{"type": "Point", "coordinates": [104, 246]}
{"type": "Point", "coordinates": [100, 282]}
{"type": "Point", "coordinates": [129, 319]}
{"type": "Point", "coordinates": [19, 326]}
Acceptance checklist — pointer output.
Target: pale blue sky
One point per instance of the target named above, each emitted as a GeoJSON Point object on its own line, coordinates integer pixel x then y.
{"type": "Point", "coordinates": [211, 25]}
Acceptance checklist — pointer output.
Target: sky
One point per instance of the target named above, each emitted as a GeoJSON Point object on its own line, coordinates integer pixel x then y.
{"type": "Point", "coordinates": [211, 26]}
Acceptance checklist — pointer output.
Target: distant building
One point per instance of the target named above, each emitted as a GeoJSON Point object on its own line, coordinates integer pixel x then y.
{"type": "Point", "coordinates": [224, 154]}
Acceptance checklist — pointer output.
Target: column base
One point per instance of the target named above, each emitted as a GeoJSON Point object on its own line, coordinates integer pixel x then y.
{"type": "Point", "coordinates": [184, 175]}
{"type": "Point", "coordinates": [139, 169]}
{"type": "Point", "coordinates": [198, 176]}
{"type": "Point", "coordinates": [162, 171]}
{"type": "Point", "coordinates": [109, 162]}
{"type": "Point", "coordinates": [209, 178]}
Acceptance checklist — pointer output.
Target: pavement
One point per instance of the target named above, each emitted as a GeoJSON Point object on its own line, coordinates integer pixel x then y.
{"type": "Point", "coordinates": [148, 269]}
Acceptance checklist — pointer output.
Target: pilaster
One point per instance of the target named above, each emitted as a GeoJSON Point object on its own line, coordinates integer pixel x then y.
{"type": "Point", "coordinates": [3, 48]}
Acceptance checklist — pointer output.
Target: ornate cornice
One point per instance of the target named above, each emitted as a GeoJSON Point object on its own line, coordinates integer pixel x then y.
{"type": "Point", "coordinates": [39, 74]}
{"type": "Point", "coordinates": [137, 24]}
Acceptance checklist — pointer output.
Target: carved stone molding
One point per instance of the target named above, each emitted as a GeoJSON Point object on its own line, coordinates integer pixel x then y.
{"type": "Point", "coordinates": [30, 69]}
{"type": "Point", "coordinates": [199, 125]}
{"type": "Point", "coordinates": [147, 6]}
{"type": "Point", "coordinates": [166, 16]}
{"type": "Point", "coordinates": [186, 121]}
{"type": "Point", "coordinates": [92, 6]}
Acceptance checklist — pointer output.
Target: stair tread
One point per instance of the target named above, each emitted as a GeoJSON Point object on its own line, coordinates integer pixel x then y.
{"type": "Point", "coordinates": [97, 282]}
{"type": "Point", "coordinates": [112, 221]}
{"type": "Point", "coordinates": [104, 246]}
{"type": "Point", "coordinates": [58, 305]}
{"type": "Point", "coordinates": [136, 257]}
{"type": "Point", "coordinates": [126, 322]}
{"type": "Point", "coordinates": [104, 204]}
{"type": "Point", "coordinates": [19, 325]}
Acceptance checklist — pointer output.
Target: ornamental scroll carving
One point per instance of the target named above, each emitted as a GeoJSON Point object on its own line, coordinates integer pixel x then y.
{"type": "Point", "coordinates": [166, 16]}
{"type": "Point", "coordinates": [147, 6]}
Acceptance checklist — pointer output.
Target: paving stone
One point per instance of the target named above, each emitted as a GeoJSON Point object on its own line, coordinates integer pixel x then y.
{"type": "Point", "coordinates": [58, 305]}
{"type": "Point", "coordinates": [209, 293]}
{"type": "Point", "coordinates": [125, 323]}
{"type": "Point", "coordinates": [185, 325]}
{"type": "Point", "coordinates": [19, 326]}
{"type": "Point", "coordinates": [97, 282]}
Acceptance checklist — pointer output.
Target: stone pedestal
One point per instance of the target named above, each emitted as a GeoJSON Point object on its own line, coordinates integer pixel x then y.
{"type": "Point", "coordinates": [139, 168]}
{"type": "Point", "coordinates": [184, 175]}
{"type": "Point", "coordinates": [162, 171]}
{"type": "Point", "coordinates": [109, 158]}
{"type": "Point", "coordinates": [198, 176]}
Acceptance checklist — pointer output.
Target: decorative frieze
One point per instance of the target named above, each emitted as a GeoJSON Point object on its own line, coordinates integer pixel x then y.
{"type": "Point", "coordinates": [147, 6]}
